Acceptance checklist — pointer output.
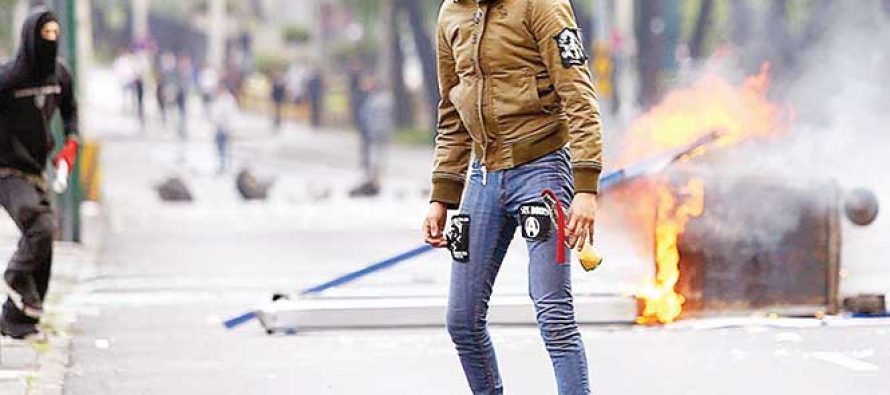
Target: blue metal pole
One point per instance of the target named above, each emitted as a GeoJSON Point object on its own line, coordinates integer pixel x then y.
{"type": "Point", "coordinates": [352, 276]}
{"type": "Point", "coordinates": [607, 181]}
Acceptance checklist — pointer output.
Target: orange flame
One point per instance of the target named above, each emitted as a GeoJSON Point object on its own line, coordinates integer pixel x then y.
{"type": "Point", "coordinates": [684, 115]}
{"type": "Point", "coordinates": [661, 302]}
{"type": "Point", "coordinates": [710, 104]}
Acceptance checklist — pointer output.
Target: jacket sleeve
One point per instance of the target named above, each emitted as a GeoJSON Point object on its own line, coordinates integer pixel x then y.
{"type": "Point", "coordinates": [453, 142]}
{"type": "Point", "coordinates": [553, 24]}
{"type": "Point", "coordinates": [68, 104]}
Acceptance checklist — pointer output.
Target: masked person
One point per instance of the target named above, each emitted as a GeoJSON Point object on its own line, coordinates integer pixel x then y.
{"type": "Point", "coordinates": [32, 87]}
{"type": "Point", "coordinates": [517, 97]}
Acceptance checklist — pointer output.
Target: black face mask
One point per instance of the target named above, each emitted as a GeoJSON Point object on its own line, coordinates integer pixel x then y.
{"type": "Point", "coordinates": [47, 51]}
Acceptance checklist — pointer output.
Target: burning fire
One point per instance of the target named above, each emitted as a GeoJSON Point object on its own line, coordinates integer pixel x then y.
{"type": "Point", "coordinates": [662, 303]}
{"type": "Point", "coordinates": [710, 104]}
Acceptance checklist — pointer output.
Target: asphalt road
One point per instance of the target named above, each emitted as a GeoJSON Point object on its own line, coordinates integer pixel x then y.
{"type": "Point", "coordinates": [149, 321]}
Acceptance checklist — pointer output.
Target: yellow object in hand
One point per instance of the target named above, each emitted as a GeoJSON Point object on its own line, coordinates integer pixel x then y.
{"type": "Point", "coordinates": [590, 258]}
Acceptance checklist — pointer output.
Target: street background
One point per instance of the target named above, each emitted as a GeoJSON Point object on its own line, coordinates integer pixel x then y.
{"type": "Point", "coordinates": [142, 285]}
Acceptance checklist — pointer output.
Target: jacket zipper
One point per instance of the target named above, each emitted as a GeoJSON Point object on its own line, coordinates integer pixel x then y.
{"type": "Point", "coordinates": [481, 17]}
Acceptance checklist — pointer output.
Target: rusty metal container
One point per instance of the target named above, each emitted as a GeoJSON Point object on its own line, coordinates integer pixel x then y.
{"type": "Point", "coordinates": [761, 244]}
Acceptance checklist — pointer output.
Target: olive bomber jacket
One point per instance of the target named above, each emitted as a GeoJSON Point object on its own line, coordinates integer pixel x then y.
{"type": "Point", "coordinates": [515, 86]}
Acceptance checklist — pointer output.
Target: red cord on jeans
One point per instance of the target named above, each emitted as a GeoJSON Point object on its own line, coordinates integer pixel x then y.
{"type": "Point", "coordinates": [560, 229]}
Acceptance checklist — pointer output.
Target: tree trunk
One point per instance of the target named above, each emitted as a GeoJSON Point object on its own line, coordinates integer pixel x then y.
{"type": "Point", "coordinates": [815, 26]}
{"type": "Point", "coordinates": [402, 106]}
{"type": "Point", "coordinates": [779, 36]}
{"type": "Point", "coordinates": [650, 26]}
{"type": "Point", "coordinates": [741, 22]}
{"type": "Point", "coordinates": [427, 54]}
{"type": "Point", "coordinates": [702, 25]}
{"type": "Point", "coordinates": [586, 24]}
{"type": "Point", "coordinates": [216, 51]}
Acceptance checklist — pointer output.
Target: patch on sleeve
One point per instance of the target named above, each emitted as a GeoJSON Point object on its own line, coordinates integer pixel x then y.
{"type": "Point", "coordinates": [535, 220]}
{"type": "Point", "coordinates": [459, 238]}
{"type": "Point", "coordinates": [571, 51]}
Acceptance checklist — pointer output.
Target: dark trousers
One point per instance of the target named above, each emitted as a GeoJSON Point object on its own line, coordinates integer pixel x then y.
{"type": "Point", "coordinates": [29, 207]}
{"type": "Point", "coordinates": [222, 148]}
{"type": "Point", "coordinates": [315, 111]}
{"type": "Point", "coordinates": [279, 109]}
{"type": "Point", "coordinates": [139, 91]}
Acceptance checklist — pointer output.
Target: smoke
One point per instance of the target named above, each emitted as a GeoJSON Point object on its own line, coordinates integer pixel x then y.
{"type": "Point", "coordinates": [829, 77]}
{"type": "Point", "coordinates": [844, 128]}
{"type": "Point", "coordinates": [841, 101]}
{"type": "Point", "coordinates": [839, 135]}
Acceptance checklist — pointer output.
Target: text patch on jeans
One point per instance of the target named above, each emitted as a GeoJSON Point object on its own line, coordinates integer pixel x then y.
{"type": "Point", "coordinates": [459, 238]}
{"type": "Point", "coordinates": [535, 221]}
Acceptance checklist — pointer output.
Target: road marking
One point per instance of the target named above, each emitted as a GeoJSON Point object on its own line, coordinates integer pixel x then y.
{"type": "Point", "coordinates": [845, 361]}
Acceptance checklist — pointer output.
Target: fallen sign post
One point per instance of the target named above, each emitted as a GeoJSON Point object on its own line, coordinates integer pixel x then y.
{"type": "Point", "coordinates": [607, 181]}
{"type": "Point", "coordinates": [346, 278]}
{"type": "Point", "coordinates": [657, 163]}
{"type": "Point", "coordinates": [307, 314]}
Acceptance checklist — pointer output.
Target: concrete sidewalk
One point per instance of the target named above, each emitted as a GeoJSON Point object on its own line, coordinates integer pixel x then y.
{"type": "Point", "coordinates": [41, 367]}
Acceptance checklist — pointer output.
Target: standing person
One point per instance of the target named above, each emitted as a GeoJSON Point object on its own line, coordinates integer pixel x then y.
{"type": "Point", "coordinates": [222, 111]}
{"type": "Point", "coordinates": [208, 80]}
{"type": "Point", "coordinates": [515, 89]}
{"type": "Point", "coordinates": [32, 87]}
{"type": "Point", "coordinates": [139, 89]}
{"type": "Point", "coordinates": [315, 89]}
{"type": "Point", "coordinates": [126, 74]}
{"type": "Point", "coordinates": [377, 116]}
{"type": "Point", "coordinates": [167, 84]}
{"type": "Point", "coordinates": [279, 94]}
{"type": "Point", "coordinates": [128, 67]}
{"type": "Point", "coordinates": [131, 65]}
{"type": "Point", "coordinates": [357, 95]}
{"type": "Point", "coordinates": [294, 83]}
{"type": "Point", "coordinates": [185, 75]}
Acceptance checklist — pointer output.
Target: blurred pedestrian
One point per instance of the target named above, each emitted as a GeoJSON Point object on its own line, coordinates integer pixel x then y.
{"type": "Point", "coordinates": [127, 67]}
{"type": "Point", "coordinates": [315, 89]}
{"type": "Point", "coordinates": [185, 77]}
{"type": "Point", "coordinates": [357, 94]}
{"type": "Point", "coordinates": [139, 88]}
{"type": "Point", "coordinates": [32, 88]}
{"type": "Point", "coordinates": [166, 79]}
{"type": "Point", "coordinates": [377, 114]}
{"type": "Point", "coordinates": [279, 95]}
{"type": "Point", "coordinates": [208, 80]}
{"type": "Point", "coordinates": [222, 113]}
{"type": "Point", "coordinates": [513, 113]}
{"type": "Point", "coordinates": [295, 83]}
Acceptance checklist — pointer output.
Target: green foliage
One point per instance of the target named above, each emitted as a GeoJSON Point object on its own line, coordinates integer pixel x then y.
{"type": "Point", "coordinates": [368, 51]}
{"type": "Point", "coordinates": [366, 11]}
{"type": "Point", "coordinates": [295, 35]}
{"type": "Point", "coordinates": [268, 63]}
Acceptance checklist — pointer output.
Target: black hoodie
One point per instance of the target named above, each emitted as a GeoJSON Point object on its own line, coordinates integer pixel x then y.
{"type": "Point", "coordinates": [32, 87]}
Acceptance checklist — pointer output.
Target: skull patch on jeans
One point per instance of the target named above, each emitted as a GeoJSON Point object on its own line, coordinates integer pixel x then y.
{"type": "Point", "coordinates": [459, 238]}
